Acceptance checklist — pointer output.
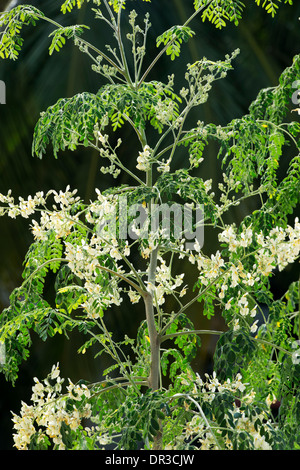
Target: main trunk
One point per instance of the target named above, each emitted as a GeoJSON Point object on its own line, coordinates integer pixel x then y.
{"type": "Point", "coordinates": [154, 376]}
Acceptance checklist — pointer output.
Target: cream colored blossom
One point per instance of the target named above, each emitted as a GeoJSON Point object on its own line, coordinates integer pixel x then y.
{"type": "Point", "coordinates": [143, 159]}
{"type": "Point", "coordinates": [49, 411]}
{"type": "Point", "coordinates": [133, 296]}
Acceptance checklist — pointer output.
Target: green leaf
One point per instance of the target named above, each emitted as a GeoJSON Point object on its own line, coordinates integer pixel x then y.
{"type": "Point", "coordinates": [11, 23]}
{"type": "Point", "coordinates": [219, 12]}
{"type": "Point", "coordinates": [61, 34]}
{"type": "Point", "coordinates": [173, 38]}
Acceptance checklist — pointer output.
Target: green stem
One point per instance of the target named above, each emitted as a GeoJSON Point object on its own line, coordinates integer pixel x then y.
{"type": "Point", "coordinates": [122, 50]}
{"type": "Point", "coordinates": [55, 260]}
{"type": "Point", "coordinates": [113, 352]}
{"type": "Point", "coordinates": [299, 308]}
{"type": "Point", "coordinates": [169, 44]}
{"type": "Point", "coordinates": [87, 44]}
{"type": "Point", "coordinates": [192, 332]}
{"type": "Point", "coordinates": [124, 278]}
{"type": "Point", "coordinates": [149, 301]}
{"type": "Point", "coordinates": [153, 335]}
{"type": "Point", "coordinates": [219, 333]}
{"type": "Point", "coordinates": [190, 303]}
{"type": "Point", "coordinates": [112, 387]}
{"type": "Point", "coordinates": [197, 404]}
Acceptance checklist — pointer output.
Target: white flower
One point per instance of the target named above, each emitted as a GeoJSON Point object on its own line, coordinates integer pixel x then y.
{"type": "Point", "coordinates": [164, 166]}
{"type": "Point", "coordinates": [253, 311]}
{"type": "Point", "coordinates": [229, 236]}
{"type": "Point", "coordinates": [126, 249]}
{"type": "Point", "coordinates": [8, 199]}
{"type": "Point", "coordinates": [38, 232]}
{"type": "Point", "coordinates": [234, 276]}
{"type": "Point", "coordinates": [114, 253]}
{"type": "Point", "coordinates": [214, 266]}
{"type": "Point", "coordinates": [55, 372]}
{"type": "Point", "coordinates": [164, 111]}
{"type": "Point", "coordinates": [182, 292]}
{"type": "Point", "coordinates": [133, 296]}
{"type": "Point", "coordinates": [254, 327]}
{"type": "Point", "coordinates": [104, 439]}
{"type": "Point", "coordinates": [228, 304]}
{"type": "Point", "coordinates": [207, 185]}
{"type": "Point", "coordinates": [13, 212]}
{"type": "Point", "coordinates": [197, 246]}
{"type": "Point", "coordinates": [246, 237]}
{"type": "Point", "coordinates": [224, 287]}
{"type": "Point", "coordinates": [102, 138]}
{"type": "Point", "coordinates": [260, 442]}
{"type": "Point", "coordinates": [260, 239]}
{"type": "Point", "coordinates": [27, 207]}
{"type": "Point", "coordinates": [143, 159]}
{"type": "Point", "coordinates": [65, 198]}
{"type": "Point", "coordinates": [38, 390]}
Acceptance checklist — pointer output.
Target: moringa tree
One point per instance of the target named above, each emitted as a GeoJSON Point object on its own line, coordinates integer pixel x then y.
{"type": "Point", "coordinates": [125, 243]}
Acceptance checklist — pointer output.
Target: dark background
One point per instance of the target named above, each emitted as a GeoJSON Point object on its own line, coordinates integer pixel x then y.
{"type": "Point", "coordinates": [38, 80]}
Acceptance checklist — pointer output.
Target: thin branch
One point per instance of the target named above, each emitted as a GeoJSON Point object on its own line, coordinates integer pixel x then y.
{"type": "Point", "coordinates": [191, 302]}
{"type": "Point", "coordinates": [169, 44]}
{"type": "Point", "coordinates": [86, 43]}
{"type": "Point", "coordinates": [178, 395]}
{"type": "Point", "coordinates": [112, 387]}
{"type": "Point", "coordinates": [219, 333]}
{"type": "Point", "coordinates": [191, 332]}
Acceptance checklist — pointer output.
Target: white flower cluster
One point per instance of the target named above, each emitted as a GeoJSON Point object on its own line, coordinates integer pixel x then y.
{"type": "Point", "coordinates": [277, 249]}
{"type": "Point", "coordinates": [49, 411]}
{"type": "Point", "coordinates": [198, 428]}
{"type": "Point", "coordinates": [134, 296]}
{"type": "Point", "coordinates": [165, 284]}
{"type": "Point", "coordinates": [207, 439]}
{"type": "Point", "coordinates": [83, 260]}
{"type": "Point", "coordinates": [143, 160]}
{"type": "Point", "coordinates": [106, 151]}
{"type": "Point", "coordinates": [164, 111]}
{"type": "Point", "coordinates": [24, 208]}
{"type": "Point", "coordinates": [58, 220]}
{"type": "Point", "coordinates": [82, 255]}
{"type": "Point", "coordinates": [164, 166]}
{"type": "Point", "coordinates": [214, 385]}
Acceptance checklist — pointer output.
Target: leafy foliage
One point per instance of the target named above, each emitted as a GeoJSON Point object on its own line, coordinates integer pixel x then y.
{"type": "Point", "coordinates": [271, 6]}
{"type": "Point", "coordinates": [233, 351]}
{"type": "Point", "coordinates": [173, 38]}
{"type": "Point", "coordinates": [220, 11]}
{"type": "Point", "coordinates": [80, 249]}
{"type": "Point", "coordinates": [60, 35]}
{"type": "Point", "coordinates": [71, 122]}
{"type": "Point", "coordinates": [13, 22]}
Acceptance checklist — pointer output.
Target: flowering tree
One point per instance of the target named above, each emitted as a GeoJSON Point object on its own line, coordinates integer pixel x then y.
{"type": "Point", "coordinates": [102, 252]}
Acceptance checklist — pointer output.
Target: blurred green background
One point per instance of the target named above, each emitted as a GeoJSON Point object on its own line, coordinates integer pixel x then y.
{"type": "Point", "coordinates": [38, 80]}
